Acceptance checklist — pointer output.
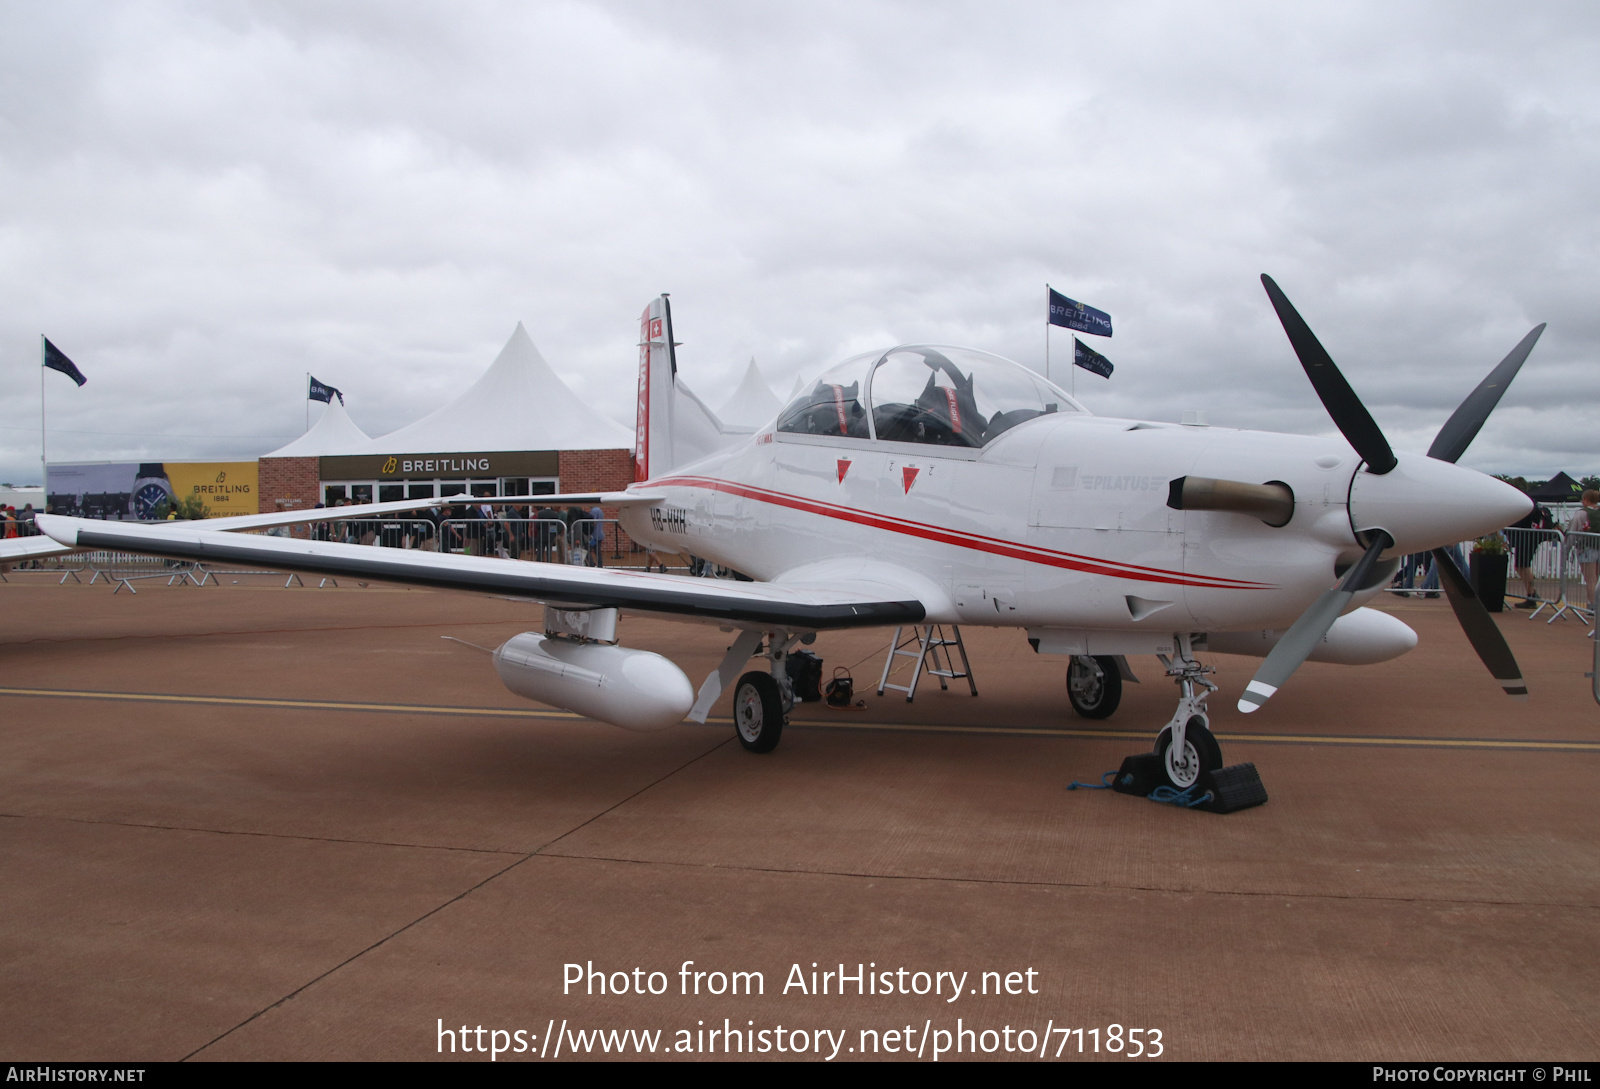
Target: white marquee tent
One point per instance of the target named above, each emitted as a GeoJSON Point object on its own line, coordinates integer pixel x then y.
{"type": "Point", "coordinates": [753, 404]}
{"type": "Point", "coordinates": [517, 404]}
{"type": "Point", "coordinates": [333, 433]}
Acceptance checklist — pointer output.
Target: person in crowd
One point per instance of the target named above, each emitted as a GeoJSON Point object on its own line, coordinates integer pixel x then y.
{"type": "Point", "coordinates": [572, 516]}
{"type": "Point", "coordinates": [530, 532]}
{"type": "Point", "coordinates": [8, 518]}
{"type": "Point", "coordinates": [504, 538]}
{"type": "Point", "coordinates": [466, 536]}
{"type": "Point", "coordinates": [1525, 537]}
{"type": "Point", "coordinates": [597, 537]}
{"type": "Point", "coordinates": [1586, 549]}
{"type": "Point", "coordinates": [427, 528]}
{"type": "Point", "coordinates": [548, 533]}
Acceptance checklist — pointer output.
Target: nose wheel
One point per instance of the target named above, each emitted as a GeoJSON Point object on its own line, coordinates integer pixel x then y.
{"type": "Point", "coordinates": [1197, 753]}
{"type": "Point", "coordinates": [1186, 745]}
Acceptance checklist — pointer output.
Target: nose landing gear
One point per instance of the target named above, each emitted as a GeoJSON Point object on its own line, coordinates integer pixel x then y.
{"type": "Point", "coordinates": [1186, 745]}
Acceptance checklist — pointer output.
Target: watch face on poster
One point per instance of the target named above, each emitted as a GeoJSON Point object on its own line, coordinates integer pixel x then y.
{"type": "Point", "coordinates": [151, 488]}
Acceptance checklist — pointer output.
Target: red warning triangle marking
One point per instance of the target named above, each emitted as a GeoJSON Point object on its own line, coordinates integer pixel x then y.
{"type": "Point", "coordinates": [844, 467]}
{"type": "Point", "coordinates": [908, 474]}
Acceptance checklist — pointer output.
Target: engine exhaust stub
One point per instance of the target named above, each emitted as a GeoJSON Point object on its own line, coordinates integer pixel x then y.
{"type": "Point", "coordinates": [1272, 502]}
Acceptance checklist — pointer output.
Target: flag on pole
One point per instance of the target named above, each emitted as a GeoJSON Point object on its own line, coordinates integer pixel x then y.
{"type": "Point", "coordinates": [1075, 315]}
{"type": "Point", "coordinates": [57, 360]}
{"type": "Point", "coordinates": [1089, 359]}
{"type": "Point", "coordinates": [321, 391]}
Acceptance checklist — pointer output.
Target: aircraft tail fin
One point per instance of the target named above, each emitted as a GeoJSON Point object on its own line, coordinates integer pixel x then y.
{"type": "Point", "coordinates": [672, 426]}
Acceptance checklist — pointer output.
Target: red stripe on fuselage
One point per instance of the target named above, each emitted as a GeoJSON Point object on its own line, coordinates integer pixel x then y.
{"type": "Point", "coordinates": [977, 542]}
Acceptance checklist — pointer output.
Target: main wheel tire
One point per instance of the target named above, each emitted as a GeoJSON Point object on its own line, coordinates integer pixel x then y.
{"type": "Point", "coordinates": [1094, 685]}
{"type": "Point", "coordinates": [758, 712]}
{"type": "Point", "coordinates": [1201, 753]}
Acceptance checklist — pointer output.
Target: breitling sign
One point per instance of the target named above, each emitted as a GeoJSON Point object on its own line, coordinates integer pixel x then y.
{"type": "Point", "coordinates": [424, 466]}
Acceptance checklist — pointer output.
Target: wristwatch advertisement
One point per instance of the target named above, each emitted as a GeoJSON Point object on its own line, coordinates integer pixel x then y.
{"type": "Point", "coordinates": [151, 489]}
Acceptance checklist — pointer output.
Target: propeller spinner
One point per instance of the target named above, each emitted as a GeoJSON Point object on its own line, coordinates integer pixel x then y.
{"type": "Point", "coordinates": [1421, 506]}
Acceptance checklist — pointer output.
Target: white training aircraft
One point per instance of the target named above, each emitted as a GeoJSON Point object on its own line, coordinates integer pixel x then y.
{"type": "Point", "coordinates": [945, 485]}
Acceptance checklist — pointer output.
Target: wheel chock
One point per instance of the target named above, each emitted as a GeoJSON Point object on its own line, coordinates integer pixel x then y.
{"type": "Point", "coordinates": [1233, 788]}
{"type": "Point", "coordinates": [1139, 775]}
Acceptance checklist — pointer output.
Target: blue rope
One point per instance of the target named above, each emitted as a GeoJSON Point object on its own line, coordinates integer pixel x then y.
{"type": "Point", "coordinates": [1169, 796]}
{"type": "Point", "coordinates": [1103, 784]}
{"type": "Point", "coordinates": [1164, 794]}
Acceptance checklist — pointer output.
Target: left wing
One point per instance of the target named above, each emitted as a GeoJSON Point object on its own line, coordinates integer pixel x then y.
{"type": "Point", "coordinates": [743, 604]}
{"type": "Point", "coordinates": [237, 522]}
{"type": "Point", "coordinates": [15, 549]}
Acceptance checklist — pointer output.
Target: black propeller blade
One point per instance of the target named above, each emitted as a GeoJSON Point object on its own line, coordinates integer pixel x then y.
{"type": "Point", "coordinates": [1462, 426]}
{"type": "Point", "coordinates": [1363, 433]}
{"type": "Point", "coordinates": [1480, 627]}
{"type": "Point", "coordinates": [1302, 638]}
{"type": "Point", "coordinates": [1351, 416]}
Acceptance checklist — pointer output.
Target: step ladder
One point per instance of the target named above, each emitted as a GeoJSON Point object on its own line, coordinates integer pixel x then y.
{"type": "Point", "coordinates": [927, 645]}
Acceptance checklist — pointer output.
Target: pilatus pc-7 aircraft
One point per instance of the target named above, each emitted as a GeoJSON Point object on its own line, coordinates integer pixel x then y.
{"type": "Point", "coordinates": [929, 484]}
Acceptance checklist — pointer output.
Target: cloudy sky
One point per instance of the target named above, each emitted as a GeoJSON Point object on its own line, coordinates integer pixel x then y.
{"type": "Point", "coordinates": [199, 203]}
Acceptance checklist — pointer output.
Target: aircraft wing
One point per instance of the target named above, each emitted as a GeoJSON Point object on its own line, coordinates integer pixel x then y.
{"type": "Point", "coordinates": [742, 604]}
{"type": "Point", "coordinates": [17, 549]}
{"type": "Point", "coordinates": [401, 506]}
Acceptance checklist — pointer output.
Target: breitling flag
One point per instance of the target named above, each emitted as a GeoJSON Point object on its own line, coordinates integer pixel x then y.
{"type": "Point", "coordinates": [1075, 315]}
{"type": "Point", "coordinates": [320, 391]}
{"type": "Point", "coordinates": [57, 360]}
{"type": "Point", "coordinates": [1089, 359]}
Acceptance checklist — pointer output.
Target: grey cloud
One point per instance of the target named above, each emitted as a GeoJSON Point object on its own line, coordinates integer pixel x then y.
{"type": "Point", "coordinates": [217, 198]}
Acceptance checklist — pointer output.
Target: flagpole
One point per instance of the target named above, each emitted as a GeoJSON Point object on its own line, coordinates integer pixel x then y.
{"type": "Point", "coordinates": [43, 465]}
{"type": "Point", "coordinates": [308, 400]}
{"type": "Point", "coordinates": [1047, 332]}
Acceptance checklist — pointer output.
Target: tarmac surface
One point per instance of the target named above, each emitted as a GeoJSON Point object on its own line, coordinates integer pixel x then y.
{"type": "Point", "coordinates": [249, 822]}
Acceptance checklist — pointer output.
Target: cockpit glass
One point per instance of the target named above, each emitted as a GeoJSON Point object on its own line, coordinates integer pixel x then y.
{"type": "Point", "coordinates": [956, 396]}
{"type": "Point", "coordinates": [832, 405]}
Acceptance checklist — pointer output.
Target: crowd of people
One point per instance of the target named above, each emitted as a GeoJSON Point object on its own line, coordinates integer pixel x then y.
{"type": "Point", "coordinates": [17, 523]}
{"type": "Point", "coordinates": [510, 531]}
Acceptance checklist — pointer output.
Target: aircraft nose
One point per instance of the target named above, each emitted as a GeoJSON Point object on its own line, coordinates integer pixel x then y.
{"type": "Point", "coordinates": [1425, 503]}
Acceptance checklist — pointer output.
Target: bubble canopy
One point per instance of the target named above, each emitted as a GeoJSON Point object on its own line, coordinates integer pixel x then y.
{"type": "Point", "coordinates": [933, 394]}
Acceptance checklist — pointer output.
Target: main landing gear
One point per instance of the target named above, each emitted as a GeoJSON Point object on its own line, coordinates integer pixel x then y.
{"type": "Point", "coordinates": [758, 712]}
{"type": "Point", "coordinates": [1094, 685]}
{"type": "Point", "coordinates": [762, 701]}
{"type": "Point", "coordinates": [1186, 745]}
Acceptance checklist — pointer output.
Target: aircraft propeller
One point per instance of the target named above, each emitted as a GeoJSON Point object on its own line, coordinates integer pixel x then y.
{"type": "Point", "coordinates": [1364, 435]}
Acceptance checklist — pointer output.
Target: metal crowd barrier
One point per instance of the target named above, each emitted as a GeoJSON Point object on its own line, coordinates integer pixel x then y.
{"type": "Point", "coordinates": [545, 540]}
{"type": "Point", "coordinates": [1535, 572]}
{"type": "Point", "coordinates": [539, 539]}
{"type": "Point", "coordinates": [1580, 566]}
{"type": "Point", "coordinates": [1559, 568]}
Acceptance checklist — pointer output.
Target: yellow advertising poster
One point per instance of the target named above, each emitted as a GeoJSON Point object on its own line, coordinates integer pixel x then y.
{"type": "Point", "coordinates": [227, 487]}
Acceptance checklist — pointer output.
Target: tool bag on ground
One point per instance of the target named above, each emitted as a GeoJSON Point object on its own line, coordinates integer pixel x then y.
{"type": "Point", "coordinates": [805, 675]}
